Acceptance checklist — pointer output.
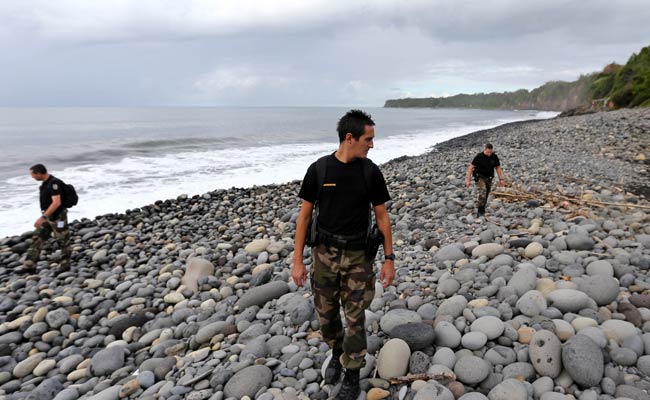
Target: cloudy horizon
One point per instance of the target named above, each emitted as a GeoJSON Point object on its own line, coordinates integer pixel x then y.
{"type": "Point", "coordinates": [287, 53]}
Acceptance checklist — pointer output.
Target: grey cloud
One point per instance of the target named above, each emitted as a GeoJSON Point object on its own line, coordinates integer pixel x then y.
{"type": "Point", "coordinates": [318, 53]}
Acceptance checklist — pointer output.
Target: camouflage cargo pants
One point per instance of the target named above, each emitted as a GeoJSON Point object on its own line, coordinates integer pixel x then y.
{"type": "Point", "coordinates": [483, 187]}
{"type": "Point", "coordinates": [343, 277]}
{"type": "Point", "coordinates": [58, 228]}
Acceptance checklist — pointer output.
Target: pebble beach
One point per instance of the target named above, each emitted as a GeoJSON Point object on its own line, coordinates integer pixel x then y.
{"type": "Point", "coordinates": [547, 297]}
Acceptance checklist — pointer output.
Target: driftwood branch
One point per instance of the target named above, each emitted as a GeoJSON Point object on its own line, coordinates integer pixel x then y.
{"type": "Point", "coordinates": [523, 195]}
{"type": "Point", "coordinates": [400, 380]}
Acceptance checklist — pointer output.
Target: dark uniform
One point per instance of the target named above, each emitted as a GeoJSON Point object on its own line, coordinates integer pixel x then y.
{"type": "Point", "coordinates": [56, 224]}
{"type": "Point", "coordinates": [483, 173]}
{"type": "Point", "coordinates": [344, 275]}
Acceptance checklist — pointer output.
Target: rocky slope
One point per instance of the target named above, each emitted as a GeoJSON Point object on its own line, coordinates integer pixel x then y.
{"type": "Point", "coordinates": [548, 298]}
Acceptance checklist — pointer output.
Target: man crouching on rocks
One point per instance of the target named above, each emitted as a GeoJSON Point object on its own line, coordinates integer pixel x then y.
{"type": "Point", "coordinates": [53, 220]}
{"type": "Point", "coordinates": [482, 169]}
{"type": "Point", "coordinates": [341, 187]}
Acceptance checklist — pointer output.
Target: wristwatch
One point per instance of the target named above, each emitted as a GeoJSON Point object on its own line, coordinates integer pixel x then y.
{"type": "Point", "coordinates": [389, 257]}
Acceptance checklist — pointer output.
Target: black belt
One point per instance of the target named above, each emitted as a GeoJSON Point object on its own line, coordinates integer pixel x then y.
{"type": "Point", "coordinates": [356, 242]}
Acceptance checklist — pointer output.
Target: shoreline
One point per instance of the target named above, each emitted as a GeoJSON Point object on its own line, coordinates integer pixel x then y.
{"type": "Point", "coordinates": [271, 163]}
{"type": "Point", "coordinates": [195, 292]}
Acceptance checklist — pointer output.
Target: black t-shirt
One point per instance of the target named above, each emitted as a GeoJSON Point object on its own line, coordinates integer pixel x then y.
{"type": "Point", "coordinates": [484, 165]}
{"type": "Point", "coordinates": [345, 196]}
{"type": "Point", "coordinates": [51, 187]}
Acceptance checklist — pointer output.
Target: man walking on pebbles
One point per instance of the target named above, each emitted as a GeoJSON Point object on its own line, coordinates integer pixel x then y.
{"type": "Point", "coordinates": [482, 169]}
{"type": "Point", "coordinates": [341, 187]}
{"type": "Point", "coordinates": [53, 220]}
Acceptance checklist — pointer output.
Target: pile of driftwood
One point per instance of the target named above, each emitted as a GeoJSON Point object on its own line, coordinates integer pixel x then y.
{"type": "Point", "coordinates": [575, 205]}
{"type": "Point", "coordinates": [557, 200]}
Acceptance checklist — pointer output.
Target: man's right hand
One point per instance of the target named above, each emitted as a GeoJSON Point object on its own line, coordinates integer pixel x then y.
{"type": "Point", "coordinates": [468, 182]}
{"type": "Point", "coordinates": [299, 273]}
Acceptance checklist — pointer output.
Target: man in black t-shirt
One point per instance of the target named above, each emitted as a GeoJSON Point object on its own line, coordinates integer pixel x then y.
{"type": "Point", "coordinates": [53, 220]}
{"type": "Point", "coordinates": [344, 186]}
{"type": "Point", "coordinates": [482, 169]}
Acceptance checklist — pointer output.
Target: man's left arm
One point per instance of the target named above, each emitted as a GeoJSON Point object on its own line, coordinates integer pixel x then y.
{"type": "Point", "coordinates": [383, 222]}
{"type": "Point", "coordinates": [56, 203]}
{"type": "Point", "coordinates": [502, 181]}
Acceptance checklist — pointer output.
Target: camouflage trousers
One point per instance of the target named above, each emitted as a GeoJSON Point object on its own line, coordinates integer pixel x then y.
{"type": "Point", "coordinates": [58, 228]}
{"type": "Point", "coordinates": [343, 277]}
{"type": "Point", "coordinates": [483, 187]}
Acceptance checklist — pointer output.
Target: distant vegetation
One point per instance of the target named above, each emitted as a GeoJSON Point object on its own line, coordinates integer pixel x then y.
{"type": "Point", "coordinates": [615, 86]}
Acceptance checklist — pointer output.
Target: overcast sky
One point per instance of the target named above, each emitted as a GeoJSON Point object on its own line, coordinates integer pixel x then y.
{"type": "Point", "coordinates": [292, 52]}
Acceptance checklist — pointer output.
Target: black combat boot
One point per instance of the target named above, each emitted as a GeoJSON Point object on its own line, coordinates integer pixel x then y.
{"type": "Point", "coordinates": [481, 211]}
{"type": "Point", "coordinates": [333, 370]}
{"type": "Point", "coordinates": [350, 387]}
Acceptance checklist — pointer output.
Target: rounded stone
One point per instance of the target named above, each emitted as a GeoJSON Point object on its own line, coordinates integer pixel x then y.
{"type": "Point", "coordinates": [173, 298]}
{"type": "Point", "coordinates": [393, 359]}
{"type": "Point", "coordinates": [433, 390]}
{"type": "Point", "coordinates": [107, 361]}
{"type": "Point", "coordinates": [259, 295]}
{"type": "Point", "coordinates": [618, 330]}
{"type": "Point", "coordinates": [568, 300]}
{"type": "Point", "coordinates": [583, 360]}
{"type": "Point", "coordinates": [473, 396]}
{"type": "Point", "coordinates": [472, 370]}
{"type": "Point", "coordinates": [489, 250]}
{"type": "Point", "coordinates": [25, 367]}
{"type": "Point", "coordinates": [524, 279]}
{"type": "Point", "coordinates": [545, 353]}
{"type": "Point", "coordinates": [532, 303]}
{"type": "Point", "coordinates": [563, 329]}
{"type": "Point", "coordinates": [602, 289]}
{"type": "Point", "coordinates": [491, 326]}
{"type": "Point", "coordinates": [395, 318]}
{"type": "Point", "coordinates": [257, 246]}
{"type": "Point", "coordinates": [624, 357]}
{"type": "Point", "coordinates": [417, 335]}
{"type": "Point", "coordinates": [509, 389]}
{"type": "Point", "coordinates": [447, 335]}
{"type": "Point", "coordinates": [520, 370]}
{"type": "Point", "coordinates": [643, 364]}
{"type": "Point", "coordinates": [44, 367]}
{"type": "Point", "coordinates": [533, 250]}
{"type": "Point", "coordinates": [600, 268]}
{"type": "Point", "coordinates": [248, 381]}
{"type": "Point", "coordinates": [444, 356]}
{"type": "Point", "coordinates": [450, 252]}
{"type": "Point", "coordinates": [57, 318]}
{"type": "Point", "coordinates": [595, 334]}
{"type": "Point", "coordinates": [474, 340]}
{"type": "Point", "coordinates": [453, 306]}
{"type": "Point", "coordinates": [146, 379]}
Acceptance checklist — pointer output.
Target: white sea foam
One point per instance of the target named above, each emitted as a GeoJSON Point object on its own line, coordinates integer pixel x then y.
{"type": "Point", "coordinates": [137, 181]}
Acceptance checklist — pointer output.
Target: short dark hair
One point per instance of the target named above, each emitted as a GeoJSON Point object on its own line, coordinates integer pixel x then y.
{"type": "Point", "coordinates": [354, 122]}
{"type": "Point", "coordinates": [38, 169]}
{"type": "Point", "coordinates": [489, 146]}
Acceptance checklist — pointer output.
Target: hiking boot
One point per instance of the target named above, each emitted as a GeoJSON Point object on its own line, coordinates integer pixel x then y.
{"type": "Point", "coordinates": [29, 267]}
{"type": "Point", "coordinates": [350, 388]}
{"type": "Point", "coordinates": [333, 370]}
{"type": "Point", "coordinates": [480, 212]}
{"type": "Point", "coordinates": [64, 266]}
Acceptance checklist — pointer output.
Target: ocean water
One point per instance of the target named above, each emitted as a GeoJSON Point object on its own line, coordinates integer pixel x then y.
{"type": "Point", "coordinates": [122, 158]}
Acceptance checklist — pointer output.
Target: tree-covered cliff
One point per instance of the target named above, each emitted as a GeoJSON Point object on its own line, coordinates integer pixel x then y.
{"type": "Point", "coordinates": [615, 86]}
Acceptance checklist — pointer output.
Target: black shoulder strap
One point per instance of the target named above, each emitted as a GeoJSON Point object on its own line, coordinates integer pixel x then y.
{"type": "Point", "coordinates": [367, 166]}
{"type": "Point", "coordinates": [321, 170]}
